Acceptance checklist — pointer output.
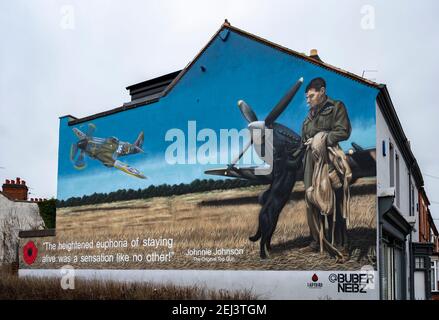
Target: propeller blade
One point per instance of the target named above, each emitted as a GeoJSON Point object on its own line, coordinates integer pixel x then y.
{"type": "Point", "coordinates": [90, 129]}
{"type": "Point", "coordinates": [283, 103]}
{"type": "Point", "coordinates": [247, 111]}
{"type": "Point", "coordinates": [73, 151]}
{"type": "Point", "coordinates": [241, 153]}
{"type": "Point", "coordinates": [80, 163]}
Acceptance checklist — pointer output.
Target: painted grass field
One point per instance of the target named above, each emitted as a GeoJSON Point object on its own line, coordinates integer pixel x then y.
{"type": "Point", "coordinates": [219, 219]}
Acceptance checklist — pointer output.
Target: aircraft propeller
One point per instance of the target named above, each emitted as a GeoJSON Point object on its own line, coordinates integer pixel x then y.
{"type": "Point", "coordinates": [79, 161]}
{"type": "Point", "coordinates": [252, 119]}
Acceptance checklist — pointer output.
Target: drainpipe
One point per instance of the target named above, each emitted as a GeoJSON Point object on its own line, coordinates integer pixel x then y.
{"type": "Point", "coordinates": [412, 270]}
{"type": "Point", "coordinates": [411, 258]}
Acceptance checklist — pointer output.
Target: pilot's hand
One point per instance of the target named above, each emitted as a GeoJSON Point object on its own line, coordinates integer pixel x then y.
{"type": "Point", "coordinates": [308, 142]}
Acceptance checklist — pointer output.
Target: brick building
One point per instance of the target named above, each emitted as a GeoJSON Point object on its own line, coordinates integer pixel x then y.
{"type": "Point", "coordinates": [15, 189]}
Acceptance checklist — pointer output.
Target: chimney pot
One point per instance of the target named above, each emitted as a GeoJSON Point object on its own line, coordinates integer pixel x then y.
{"type": "Point", "coordinates": [7, 181]}
{"type": "Point", "coordinates": [23, 182]}
{"type": "Point", "coordinates": [313, 54]}
{"type": "Point", "coordinates": [18, 180]}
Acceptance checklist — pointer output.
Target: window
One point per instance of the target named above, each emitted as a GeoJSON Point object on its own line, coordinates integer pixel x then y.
{"type": "Point", "coordinates": [419, 263]}
{"type": "Point", "coordinates": [434, 276]}
{"type": "Point", "coordinates": [393, 260]}
{"type": "Point", "coordinates": [397, 181]}
{"type": "Point", "coordinates": [412, 199]}
{"type": "Point", "coordinates": [388, 292]}
{"type": "Point", "coordinates": [392, 164]}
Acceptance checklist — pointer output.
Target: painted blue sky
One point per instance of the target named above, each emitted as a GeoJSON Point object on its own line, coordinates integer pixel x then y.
{"type": "Point", "coordinates": [239, 68]}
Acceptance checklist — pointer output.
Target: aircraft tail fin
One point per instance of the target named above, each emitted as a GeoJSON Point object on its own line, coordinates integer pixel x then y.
{"type": "Point", "coordinates": [138, 144]}
{"type": "Point", "coordinates": [79, 133]}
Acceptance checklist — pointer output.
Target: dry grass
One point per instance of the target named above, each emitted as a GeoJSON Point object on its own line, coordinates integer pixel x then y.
{"type": "Point", "coordinates": [14, 288]}
{"type": "Point", "coordinates": [222, 219]}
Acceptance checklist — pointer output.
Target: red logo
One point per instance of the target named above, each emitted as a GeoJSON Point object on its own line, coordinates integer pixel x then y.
{"type": "Point", "coordinates": [314, 278]}
{"type": "Point", "coordinates": [30, 252]}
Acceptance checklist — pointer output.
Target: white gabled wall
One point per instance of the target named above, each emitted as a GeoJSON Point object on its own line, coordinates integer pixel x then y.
{"type": "Point", "coordinates": [383, 180]}
{"type": "Point", "coordinates": [383, 166]}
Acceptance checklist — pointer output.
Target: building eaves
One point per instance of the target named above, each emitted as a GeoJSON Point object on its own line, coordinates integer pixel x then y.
{"type": "Point", "coordinates": [424, 196]}
{"type": "Point", "coordinates": [124, 107]}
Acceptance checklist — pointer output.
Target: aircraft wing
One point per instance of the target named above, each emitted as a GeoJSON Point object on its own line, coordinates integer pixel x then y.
{"type": "Point", "coordinates": [127, 169]}
{"type": "Point", "coordinates": [248, 173]}
{"type": "Point", "coordinates": [362, 162]}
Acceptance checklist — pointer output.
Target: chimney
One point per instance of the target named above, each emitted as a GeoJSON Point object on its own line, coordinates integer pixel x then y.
{"type": "Point", "coordinates": [313, 54]}
{"type": "Point", "coordinates": [15, 190]}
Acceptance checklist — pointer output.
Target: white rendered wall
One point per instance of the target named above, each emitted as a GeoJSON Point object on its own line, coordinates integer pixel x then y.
{"type": "Point", "coordinates": [15, 216]}
{"type": "Point", "coordinates": [383, 165]}
{"type": "Point", "coordinates": [383, 181]}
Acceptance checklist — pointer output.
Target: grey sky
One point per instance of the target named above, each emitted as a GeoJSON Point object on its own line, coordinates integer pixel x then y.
{"type": "Point", "coordinates": [54, 63]}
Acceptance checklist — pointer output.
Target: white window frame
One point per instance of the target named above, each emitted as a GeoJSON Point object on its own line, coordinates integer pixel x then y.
{"type": "Point", "coordinates": [397, 180]}
{"type": "Point", "coordinates": [434, 276]}
{"type": "Point", "coordinates": [391, 164]}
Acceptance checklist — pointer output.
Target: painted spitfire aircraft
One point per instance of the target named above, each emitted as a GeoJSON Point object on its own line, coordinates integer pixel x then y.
{"type": "Point", "coordinates": [362, 161]}
{"type": "Point", "coordinates": [106, 150]}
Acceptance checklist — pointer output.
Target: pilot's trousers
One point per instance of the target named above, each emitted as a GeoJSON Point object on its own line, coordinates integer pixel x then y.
{"type": "Point", "coordinates": [314, 217]}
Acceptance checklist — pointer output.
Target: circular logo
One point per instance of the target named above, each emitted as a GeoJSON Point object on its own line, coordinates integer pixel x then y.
{"type": "Point", "coordinates": [333, 277]}
{"type": "Point", "coordinates": [30, 252]}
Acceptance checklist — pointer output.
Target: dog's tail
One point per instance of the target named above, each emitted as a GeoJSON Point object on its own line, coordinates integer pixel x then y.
{"type": "Point", "coordinates": [255, 237]}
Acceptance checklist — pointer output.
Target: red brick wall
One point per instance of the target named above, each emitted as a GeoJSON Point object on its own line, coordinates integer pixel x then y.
{"type": "Point", "coordinates": [424, 226]}
{"type": "Point", "coordinates": [15, 190]}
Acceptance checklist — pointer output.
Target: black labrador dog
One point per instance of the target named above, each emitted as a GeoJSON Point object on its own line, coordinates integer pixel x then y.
{"type": "Point", "coordinates": [288, 152]}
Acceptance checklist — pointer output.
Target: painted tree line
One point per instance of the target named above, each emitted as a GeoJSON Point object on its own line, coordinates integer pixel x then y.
{"type": "Point", "coordinates": [163, 190]}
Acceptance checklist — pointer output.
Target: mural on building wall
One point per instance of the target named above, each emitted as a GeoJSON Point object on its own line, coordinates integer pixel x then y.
{"type": "Point", "coordinates": [317, 157]}
{"type": "Point", "coordinates": [311, 206]}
